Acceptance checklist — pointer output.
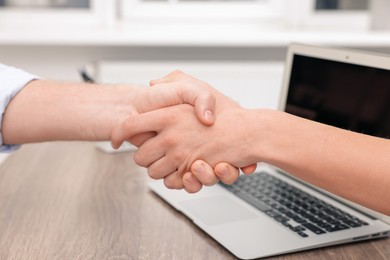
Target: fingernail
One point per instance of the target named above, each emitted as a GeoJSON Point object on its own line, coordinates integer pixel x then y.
{"type": "Point", "coordinates": [199, 168]}
{"type": "Point", "coordinates": [191, 179]}
{"type": "Point", "coordinates": [223, 172]}
{"type": "Point", "coordinates": [208, 115]}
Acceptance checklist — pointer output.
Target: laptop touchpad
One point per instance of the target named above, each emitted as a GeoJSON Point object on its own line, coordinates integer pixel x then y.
{"type": "Point", "coordinates": [216, 210]}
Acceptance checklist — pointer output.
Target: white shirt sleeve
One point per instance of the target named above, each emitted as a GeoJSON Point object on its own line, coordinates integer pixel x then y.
{"type": "Point", "coordinates": [12, 80]}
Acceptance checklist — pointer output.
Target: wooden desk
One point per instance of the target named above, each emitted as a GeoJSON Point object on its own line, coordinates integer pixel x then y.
{"type": "Point", "coordinates": [71, 201]}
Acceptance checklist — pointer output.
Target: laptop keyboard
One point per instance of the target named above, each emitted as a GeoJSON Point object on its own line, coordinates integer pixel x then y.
{"type": "Point", "coordinates": [297, 210]}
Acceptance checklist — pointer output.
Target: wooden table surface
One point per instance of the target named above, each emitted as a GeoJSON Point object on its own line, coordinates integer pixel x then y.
{"type": "Point", "coordinates": [68, 200]}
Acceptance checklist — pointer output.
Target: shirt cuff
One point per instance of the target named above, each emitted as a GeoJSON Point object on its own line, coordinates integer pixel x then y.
{"type": "Point", "coordinates": [12, 80]}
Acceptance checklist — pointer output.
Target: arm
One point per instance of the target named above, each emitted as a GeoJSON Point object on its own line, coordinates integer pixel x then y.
{"type": "Point", "coordinates": [351, 165]}
{"type": "Point", "coordinates": [46, 110]}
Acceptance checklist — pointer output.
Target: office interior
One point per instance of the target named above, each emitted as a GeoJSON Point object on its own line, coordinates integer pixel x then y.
{"type": "Point", "coordinates": [227, 43]}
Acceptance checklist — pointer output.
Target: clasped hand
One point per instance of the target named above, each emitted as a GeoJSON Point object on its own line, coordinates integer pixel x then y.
{"type": "Point", "coordinates": [182, 144]}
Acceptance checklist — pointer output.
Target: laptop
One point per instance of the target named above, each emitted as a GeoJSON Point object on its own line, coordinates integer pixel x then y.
{"type": "Point", "coordinates": [271, 212]}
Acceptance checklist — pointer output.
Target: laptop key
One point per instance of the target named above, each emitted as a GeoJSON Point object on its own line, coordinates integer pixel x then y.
{"type": "Point", "coordinates": [313, 228]}
{"type": "Point", "coordinates": [351, 223]}
{"type": "Point", "coordinates": [337, 228]}
{"type": "Point", "coordinates": [361, 222]}
{"type": "Point", "coordinates": [281, 218]}
{"type": "Point", "coordinates": [302, 234]}
{"type": "Point", "coordinates": [297, 228]}
{"type": "Point", "coordinates": [272, 213]}
{"type": "Point", "coordinates": [299, 219]}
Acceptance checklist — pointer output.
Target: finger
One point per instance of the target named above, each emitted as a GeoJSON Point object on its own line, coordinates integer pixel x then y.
{"type": "Point", "coordinates": [204, 173]}
{"type": "Point", "coordinates": [137, 124]}
{"type": "Point", "coordinates": [227, 173]}
{"type": "Point", "coordinates": [249, 169]}
{"type": "Point", "coordinates": [138, 140]}
{"type": "Point", "coordinates": [150, 151]}
{"type": "Point", "coordinates": [191, 184]}
{"type": "Point", "coordinates": [174, 181]}
{"type": "Point", "coordinates": [161, 168]}
{"type": "Point", "coordinates": [204, 106]}
{"type": "Point", "coordinates": [170, 94]}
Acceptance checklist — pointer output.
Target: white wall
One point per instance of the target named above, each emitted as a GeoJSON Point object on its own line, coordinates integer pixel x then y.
{"type": "Point", "coordinates": [252, 84]}
{"type": "Point", "coordinates": [62, 62]}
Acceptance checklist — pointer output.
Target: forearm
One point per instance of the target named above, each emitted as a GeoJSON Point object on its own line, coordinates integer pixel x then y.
{"type": "Point", "coordinates": [351, 165]}
{"type": "Point", "coordinates": [45, 111]}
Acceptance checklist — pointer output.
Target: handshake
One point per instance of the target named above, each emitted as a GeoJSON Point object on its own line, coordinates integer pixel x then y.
{"type": "Point", "coordinates": [191, 135]}
{"type": "Point", "coordinates": [188, 133]}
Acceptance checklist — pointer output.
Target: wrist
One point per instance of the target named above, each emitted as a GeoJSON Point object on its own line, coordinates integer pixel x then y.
{"type": "Point", "coordinates": [286, 141]}
{"type": "Point", "coordinates": [235, 137]}
{"type": "Point", "coordinates": [113, 104]}
{"type": "Point", "coordinates": [269, 128]}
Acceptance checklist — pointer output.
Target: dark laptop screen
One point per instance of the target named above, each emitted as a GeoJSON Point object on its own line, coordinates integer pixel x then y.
{"type": "Point", "coordinates": [349, 96]}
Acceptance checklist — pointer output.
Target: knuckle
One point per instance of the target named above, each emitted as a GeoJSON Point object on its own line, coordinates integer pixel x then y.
{"type": "Point", "coordinates": [191, 187]}
{"type": "Point", "coordinates": [176, 72]}
{"type": "Point", "coordinates": [129, 123]}
{"type": "Point", "coordinates": [139, 159]}
{"type": "Point", "coordinates": [230, 179]}
{"type": "Point", "coordinates": [194, 189]}
{"type": "Point", "coordinates": [169, 141]}
{"type": "Point", "coordinates": [178, 157]}
{"type": "Point", "coordinates": [172, 183]}
{"type": "Point", "coordinates": [168, 183]}
{"type": "Point", "coordinates": [153, 174]}
{"type": "Point", "coordinates": [209, 181]}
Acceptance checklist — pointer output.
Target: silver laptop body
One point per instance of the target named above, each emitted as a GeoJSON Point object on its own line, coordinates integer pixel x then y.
{"type": "Point", "coordinates": [252, 229]}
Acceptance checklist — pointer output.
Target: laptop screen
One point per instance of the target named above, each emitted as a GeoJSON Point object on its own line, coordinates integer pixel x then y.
{"type": "Point", "coordinates": [344, 95]}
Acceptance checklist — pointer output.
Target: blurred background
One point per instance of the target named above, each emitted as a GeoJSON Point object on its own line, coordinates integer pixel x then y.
{"type": "Point", "coordinates": [237, 45]}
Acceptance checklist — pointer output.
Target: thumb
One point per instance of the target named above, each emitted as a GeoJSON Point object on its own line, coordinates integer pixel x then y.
{"type": "Point", "coordinates": [204, 108]}
{"type": "Point", "coordinates": [175, 75]}
{"type": "Point", "coordinates": [175, 93]}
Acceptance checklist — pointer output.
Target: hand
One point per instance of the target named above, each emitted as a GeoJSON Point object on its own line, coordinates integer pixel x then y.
{"type": "Point", "coordinates": [201, 173]}
{"type": "Point", "coordinates": [147, 99]}
{"type": "Point", "coordinates": [157, 97]}
{"type": "Point", "coordinates": [224, 171]}
{"type": "Point", "coordinates": [181, 140]}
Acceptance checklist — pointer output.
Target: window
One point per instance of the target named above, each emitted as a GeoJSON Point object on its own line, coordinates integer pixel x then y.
{"type": "Point", "coordinates": [329, 14]}
{"type": "Point", "coordinates": [44, 3]}
{"type": "Point", "coordinates": [37, 13]}
{"type": "Point", "coordinates": [201, 11]}
{"type": "Point", "coordinates": [341, 5]}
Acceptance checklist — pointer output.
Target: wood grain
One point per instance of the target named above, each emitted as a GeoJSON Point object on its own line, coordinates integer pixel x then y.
{"type": "Point", "coordinates": [68, 200]}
